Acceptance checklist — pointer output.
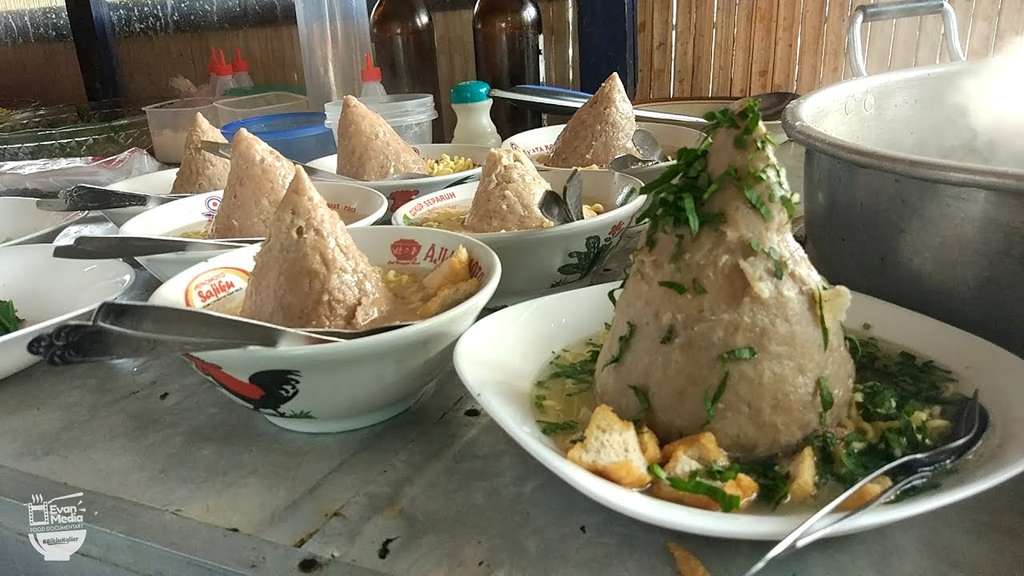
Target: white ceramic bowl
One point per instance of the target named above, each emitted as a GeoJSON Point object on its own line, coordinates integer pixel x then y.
{"type": "Point", "coordinates": [358, 205]}
{"type": "Point", "coordinates": [501, 356]}
{"type": "Point", "coordinates": [399, 192]}
{"type": "Point", "coordinates": [47, 291]}
{"type": "Point", "coordinates": [155, 183]}
{"type": "Point", "coordinates": [22, 223]}
{"type": "Point", "coordinates": [537, 144]}
{"type": "Point", "coordinates": [539, 262]}
{"type": "Point", "coordinates": [355, 383]}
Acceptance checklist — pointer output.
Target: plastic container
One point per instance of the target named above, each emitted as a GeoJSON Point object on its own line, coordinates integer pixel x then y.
{"type": "Point", "coordinates": [372, 88]}
{"type": "Point", "coordinates": [232, 109]}
{"type": "Point", "coordinates": [472, 106]}
{"type": "Point", "coordinates": [240, 66]}
{"type": "Point", "coordinates": [169, 123]}
{"type": "Point", "coordinates": [223, 75]}
{"type": "Point", "coordinates": [333, 36]}
{"type": "Point", "coordinates": [299, 136]}
{"type": "Point", "coordinates": [411, 115]}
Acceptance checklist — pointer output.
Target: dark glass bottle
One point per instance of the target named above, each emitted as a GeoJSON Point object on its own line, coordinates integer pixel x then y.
{"type": "Point", "coordinates": [403, 42]}
{"type": "Point", "coordinates": [507, 39]}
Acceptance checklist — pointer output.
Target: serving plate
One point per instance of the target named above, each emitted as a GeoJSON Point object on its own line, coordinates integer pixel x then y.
{"type": "Point", "coordinates": [399, 192]}
{"type": "Point", "coordinates": [47, 291]}
{"type": "Point", "coordinates": [537, 144]}
{"type": "Point", "coordinates": [359, 206]}
{"type": "Point", "coordinates": [500, 357]}
{"type": "Point", "coordinates": [22, 223]}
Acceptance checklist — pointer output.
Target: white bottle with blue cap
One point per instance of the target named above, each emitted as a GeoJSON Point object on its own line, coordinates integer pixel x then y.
{"type": "Point", "coordinates": [472, 106]}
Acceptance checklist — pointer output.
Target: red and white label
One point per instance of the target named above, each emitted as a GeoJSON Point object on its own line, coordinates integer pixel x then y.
{"type": "Point", "coordinates": [215, 285]}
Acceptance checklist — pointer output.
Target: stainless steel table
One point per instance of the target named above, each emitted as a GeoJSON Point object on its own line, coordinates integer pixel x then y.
{"type": "Point", "coordinates": [180, 480]}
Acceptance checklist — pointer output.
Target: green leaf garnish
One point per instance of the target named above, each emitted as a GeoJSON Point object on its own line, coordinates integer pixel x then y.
{"type": "Point", "coordinates": [825, 395]}
{"type": "Point", "coordinates": [691, 213]}
{"type": "Point", "coordinates": [9, 320]}
{"type": "Point", "coordinates": [670, 334]}
{"type": "Point", "coordinates": [548, 428]}
{"type": "Point", "coordinates": [624, 341]}
{"type": "Point", "coordinates": [642, 400]}
{"type": "Point", "coordinates": [821, 319]}
{"type": "Point", "coordinates": [673, 286]}
{"type": "Point", "coordinates": [755, 200]}
{"type": "Point", "coordinates": [711, 402]}
{"type": "Point", "coordinates": [698, 287]}
{"type": "Point", "coordinates": [742, 353]}
{"type": "Point", "coordinates": [772, 480]}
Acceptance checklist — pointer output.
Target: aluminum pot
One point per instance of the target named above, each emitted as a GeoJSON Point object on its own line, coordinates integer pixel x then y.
{"type": "Point", "coordinates": [906, 200]}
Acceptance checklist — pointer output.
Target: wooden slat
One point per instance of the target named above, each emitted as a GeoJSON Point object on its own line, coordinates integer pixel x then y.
{"type": "Point", "coordinates": [904, 43]}
{"type": "Point", "coordinates": [684, 42]}
{"type": "Point", "coordinates": [644, 41]}
{"type": "Point", "coordinates": [787, 31]}
{"type": "Point", "coordinates": [812, 42]}
{"type": "Point", "coordinates": [1011, 22]}
{"type": "Point", "coordinates": [964, 12]}
{"type": "Point", "coordinates": [559, 35]}
{"type": "Point", "coordinates": [879, 45]}
{"type": "Point", "coordinates": [725, 36]}
{"type": "Point", "coordinates": [833, 60]}
{"type": "Point", "coordinates": [703, 47]}
{"type": "Point", "coordinates": [453, 40]}
{"type": "Point", "coordinates": [58, 82]}
{"type": "Point", "coordinates": [661, 49]}
{"type": "Point", "coordinates": [983, 27]}
{"type": "Point", "coordinates": [929, 40]}
{"type": "Point", "coordinates": [763, 49]}
{"type": "Point", "coordinates": [743, 48]}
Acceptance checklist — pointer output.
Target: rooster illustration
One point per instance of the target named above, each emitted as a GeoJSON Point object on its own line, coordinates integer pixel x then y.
{"type": "Point", "coordinates": [264, 390]}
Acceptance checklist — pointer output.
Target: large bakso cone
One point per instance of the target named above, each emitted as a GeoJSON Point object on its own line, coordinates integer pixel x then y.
{"type": "Point", "coordinates": [258, 180]}
{"type": "Point", "coordinates": [201, 171]}
{"type": "Point", "coordinates": [770, 403]}
{"type": "Point", "coordinates": [309, 273]}
{"type": "Point", "coordinates": [599, 131]}
{"type": "Point", "coordinates": [508, 195]}
{"type": "Point", "coordinates": [369, 148]}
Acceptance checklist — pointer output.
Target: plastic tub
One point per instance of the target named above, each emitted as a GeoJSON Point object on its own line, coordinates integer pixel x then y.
{"type": "Point", "coordinates": [232, 109]}
{"type": "Point", "coordinates": [299, 136]}
{"type": "Point", "coordinates": [169, 123]}
{"type": "Point", "coordinates": [411, 115]}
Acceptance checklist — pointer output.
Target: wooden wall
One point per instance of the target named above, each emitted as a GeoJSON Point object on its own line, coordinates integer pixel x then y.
{"type": "Point", "coordinates": [741, 47]}
{"type": "Point", "coordinates": [145, 63]}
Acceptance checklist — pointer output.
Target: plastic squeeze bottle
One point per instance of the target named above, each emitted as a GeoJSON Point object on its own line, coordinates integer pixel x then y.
{"type": "Point", "coordinates": [240, 66]}
{"type": "Point", "coordinates": [472, 105]}
{"type": "Point", "coordinates": [372, 88]}
{"type": "Point", "coordinates": [223, 79]}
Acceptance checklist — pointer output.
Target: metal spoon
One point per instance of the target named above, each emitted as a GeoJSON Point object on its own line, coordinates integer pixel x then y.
{"type": "Point", "coordinates": [650, 151]}
{"type": "Point", "coordinates": [84, 197]}
{"type": "Point", "coordinates": [567, 207]}
{"type": "Point", "coordinates": [87, 247]}
{"type": "Point", "coordinates": [967, 434]}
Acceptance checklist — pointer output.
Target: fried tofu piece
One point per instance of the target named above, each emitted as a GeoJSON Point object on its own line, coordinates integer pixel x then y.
{"type": "Point", "coordinates": [448, 297]}
{"type": "Point", "coordinates": [866, 494]}
{"type": "Point", "coordinates": [454, 270]}
{"type": "Point", "coordinates": [803, 475]}
{"type": "Point", "coordinates": [686, 563]}
{"type": "Point", "coordinates": [649, 445]}
{"type": "Point", "coordinates": [611, 448]}
{"type": "Point", "coordinates": [702, 447]}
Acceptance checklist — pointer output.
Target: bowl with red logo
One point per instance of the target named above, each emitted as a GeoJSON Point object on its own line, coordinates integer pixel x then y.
{"type": "Point", "coordinates": [190, 217]}
{"type": "Point", "coordinates": [399, 192]}
{"type": "Point", "coordinates": [341, 386]}
{"type": "Point", "coordinates": [546, 260]}
{"type": "Point", "coordinates": [537, 144]}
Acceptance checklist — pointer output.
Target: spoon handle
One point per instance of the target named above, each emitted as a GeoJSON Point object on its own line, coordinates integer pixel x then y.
{"type": "Point", "coordinates": [117, 246]}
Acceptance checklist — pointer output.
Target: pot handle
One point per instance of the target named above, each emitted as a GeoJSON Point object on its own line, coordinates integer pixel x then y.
{"type": "Point", "coordinates": [892, 11]}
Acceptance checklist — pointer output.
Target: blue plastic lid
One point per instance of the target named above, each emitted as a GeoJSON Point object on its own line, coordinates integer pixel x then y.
{"type": "Point", "coordinates": [469, 92]}
{"type": "Point", "coordinates": [279, 126]}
